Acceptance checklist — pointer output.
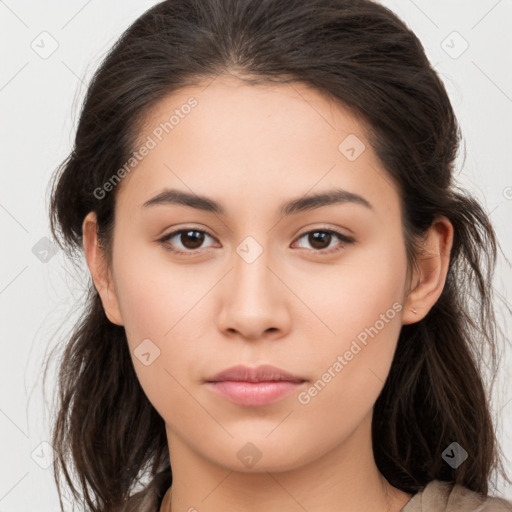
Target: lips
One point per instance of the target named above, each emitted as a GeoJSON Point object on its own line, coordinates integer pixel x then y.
{"type": "Point", "coordinates": [253, 387]}
{"type": "Point", "coordinates": [263, 373]}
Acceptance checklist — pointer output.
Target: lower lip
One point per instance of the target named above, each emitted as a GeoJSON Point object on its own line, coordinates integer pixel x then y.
{"type": "Point", "coordinates": [254, 393]}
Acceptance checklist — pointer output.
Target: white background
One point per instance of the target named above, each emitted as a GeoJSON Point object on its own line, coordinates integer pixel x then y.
{"type": "Point", "coordinates": [39, 101]}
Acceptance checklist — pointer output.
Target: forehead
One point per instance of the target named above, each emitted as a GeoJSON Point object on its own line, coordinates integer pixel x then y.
{"type": "Point", "coordinates": [225, 100]}
{"type": "Point", "coordinates": [245, 138]}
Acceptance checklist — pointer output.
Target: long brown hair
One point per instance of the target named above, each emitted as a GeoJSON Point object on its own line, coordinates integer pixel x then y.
{"type": "Point", "coordinates": [362, 55]}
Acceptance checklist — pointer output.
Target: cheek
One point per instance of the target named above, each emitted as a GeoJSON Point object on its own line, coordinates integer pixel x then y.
{"type": "Point", "coordinates": [361, 304]}
{"type": "Point", "coordinates": [161, 308]}
{"type": "Point", "coordinates": [153, 294]}
{"type": "Point", "coordinates": [352, 294]}
{"type": "Point", "coordinates": [351, 369]}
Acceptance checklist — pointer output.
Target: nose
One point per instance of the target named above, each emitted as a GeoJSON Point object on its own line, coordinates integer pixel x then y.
{"type": "Point", "coordinates": [254, 300]}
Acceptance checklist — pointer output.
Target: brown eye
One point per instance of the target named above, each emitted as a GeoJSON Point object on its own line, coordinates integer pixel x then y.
{"type": "Point", "coordinates": [320, 240]}
{"type": "Point", "coordinates": [191, 239]}
{"type": "Point", "coordinates": [186, 240]}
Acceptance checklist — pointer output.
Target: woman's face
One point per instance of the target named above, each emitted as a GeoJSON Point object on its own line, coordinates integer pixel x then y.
{"type": "Point", "coordinates": [259, 283]}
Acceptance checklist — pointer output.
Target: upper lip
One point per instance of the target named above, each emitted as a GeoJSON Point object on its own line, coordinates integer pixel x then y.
{"type": "Point", "coordinates": [263, 373]}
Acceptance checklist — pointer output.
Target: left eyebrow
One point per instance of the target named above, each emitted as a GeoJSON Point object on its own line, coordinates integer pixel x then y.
{"type": "Point", "coordinates": [310, 202]}
{"type": "Point", "coordinates": [327, 198]}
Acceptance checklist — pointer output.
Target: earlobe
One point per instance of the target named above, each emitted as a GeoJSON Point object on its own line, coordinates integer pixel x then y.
{"type": "Point", "coordinates": [431, 271]}
{"type": "Point", "coordinates": [98, 268]}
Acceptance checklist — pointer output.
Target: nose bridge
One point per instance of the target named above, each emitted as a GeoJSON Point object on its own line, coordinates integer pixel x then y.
{"type": "Point", "coordinates": [251, 300]}
{"type": "Point", "coordinates": [251, 277]}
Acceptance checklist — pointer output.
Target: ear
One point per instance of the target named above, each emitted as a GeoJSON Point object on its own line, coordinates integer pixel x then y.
{"type": "Point", "coordinates": [101, 275]}
{"type": "Point", "coordinates": [430, 275]}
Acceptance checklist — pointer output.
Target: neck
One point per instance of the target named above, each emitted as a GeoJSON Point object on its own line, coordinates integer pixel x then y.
{"type": "Point", "coordinates": [344, 478]}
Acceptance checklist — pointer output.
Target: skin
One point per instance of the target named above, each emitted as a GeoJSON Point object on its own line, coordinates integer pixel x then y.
{"type": "Point", "coordinates": [251, 148]}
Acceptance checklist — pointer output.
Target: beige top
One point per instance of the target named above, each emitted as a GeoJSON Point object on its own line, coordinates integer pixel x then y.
{"type": "Point", "coordinates": [437, 496]}
{"type": "Point", "coordinates": [440, 496]}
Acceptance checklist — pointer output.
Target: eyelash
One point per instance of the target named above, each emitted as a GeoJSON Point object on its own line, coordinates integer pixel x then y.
{"type": "Point", "coordinates": [344, 239]}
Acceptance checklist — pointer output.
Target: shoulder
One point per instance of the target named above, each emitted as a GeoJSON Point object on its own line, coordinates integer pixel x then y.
{"type": "Point", "coordinates": [439, 496]}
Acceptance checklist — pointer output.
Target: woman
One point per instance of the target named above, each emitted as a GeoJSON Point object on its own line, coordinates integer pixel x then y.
{"type": "Point", "coordinates": [282, 270]}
